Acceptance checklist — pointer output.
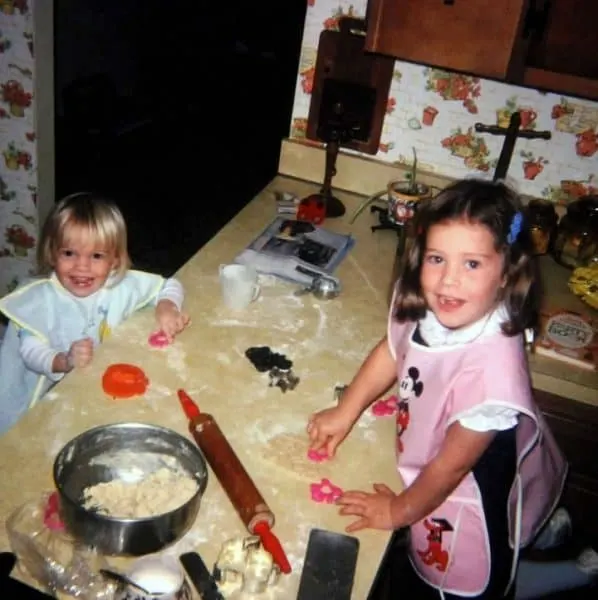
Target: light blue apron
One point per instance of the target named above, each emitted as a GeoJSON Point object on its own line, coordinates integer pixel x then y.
{"type": "Point", "coordinates": [45, 309]}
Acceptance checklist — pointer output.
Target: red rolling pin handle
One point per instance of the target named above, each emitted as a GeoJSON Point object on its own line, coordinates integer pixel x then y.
{"type": "Point", "coordinates": [272, 545]}
{"type": "Point", "coordinates": [236, 482]}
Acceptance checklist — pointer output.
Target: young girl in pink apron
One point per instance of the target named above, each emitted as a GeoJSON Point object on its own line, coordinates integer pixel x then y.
{"type": "Point", "coordinates": [482, 472]}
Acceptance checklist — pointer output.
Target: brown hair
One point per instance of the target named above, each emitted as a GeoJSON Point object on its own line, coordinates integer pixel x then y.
{"type": "Point", "coordinates": [493, 205]}
{"type": "Point", "coordinates": [97, 215]}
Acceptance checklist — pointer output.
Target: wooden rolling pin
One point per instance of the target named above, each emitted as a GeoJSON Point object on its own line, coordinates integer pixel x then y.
{"type": "Point", "coordinates": [236, 482]}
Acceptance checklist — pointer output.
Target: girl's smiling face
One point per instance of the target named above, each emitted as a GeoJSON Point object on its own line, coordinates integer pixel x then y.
{"type": "Point", "coordinates": [81, 265]}
{"type": "Point", "coordinates": [462, 273]}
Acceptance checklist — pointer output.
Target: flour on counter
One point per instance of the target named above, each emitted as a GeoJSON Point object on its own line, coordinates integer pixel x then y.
{"type": "Point", "coordinates": [223, 358]}
{"type": "Point", "coordinates": [176, 360]}
{"type": "Point", "coordinates": [59, 422]}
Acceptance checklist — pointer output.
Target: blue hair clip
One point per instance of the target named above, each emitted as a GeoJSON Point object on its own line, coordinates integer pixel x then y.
{"type": "Point", "coordinates": [515, 227]}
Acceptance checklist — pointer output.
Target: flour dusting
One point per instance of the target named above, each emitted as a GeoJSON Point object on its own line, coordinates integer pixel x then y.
{"type": "Point", "coordinates": [157, 391]}
{"type": "Point", "coordinates": [365, 278]}
{"type": "Point", "coordinates": [58, 423]}
{"type": "Point", "coordinates": [367, 419]}
{"type": "Point", "coordinates": [223, 358]}
{"type": "Point", "coordinates": [207, 528]}
{"type": "Point", "coordinates": [176, 360]}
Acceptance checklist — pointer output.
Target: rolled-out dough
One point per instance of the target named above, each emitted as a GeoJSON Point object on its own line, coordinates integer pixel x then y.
{"type": "Point", "coordinates": [288, 451]}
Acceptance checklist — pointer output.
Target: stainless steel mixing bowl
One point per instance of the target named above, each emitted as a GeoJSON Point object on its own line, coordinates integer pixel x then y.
{"type": "Point", "coordinates": [82, 463]}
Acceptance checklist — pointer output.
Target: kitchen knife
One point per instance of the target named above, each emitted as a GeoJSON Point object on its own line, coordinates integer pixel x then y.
{"type": "Point", "coordinates": [200, 576]}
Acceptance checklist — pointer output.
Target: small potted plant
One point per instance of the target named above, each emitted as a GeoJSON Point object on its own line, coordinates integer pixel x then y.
{"type": "Point", "coordinates": [403, 195]}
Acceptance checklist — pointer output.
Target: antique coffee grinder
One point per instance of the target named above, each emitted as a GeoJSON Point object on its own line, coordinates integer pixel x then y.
{"type": "Point", "coordinates": [348, 103]}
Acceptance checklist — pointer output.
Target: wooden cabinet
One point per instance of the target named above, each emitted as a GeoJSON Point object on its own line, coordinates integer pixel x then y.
{"type": "Point", "coordinates": [477, 36]}
{"type": "Point", "coordinates": [575, 427]}
{"type": "Point", "coordinates": [546, 44]}
{"type": "Point", "coordinates": [562, 52]}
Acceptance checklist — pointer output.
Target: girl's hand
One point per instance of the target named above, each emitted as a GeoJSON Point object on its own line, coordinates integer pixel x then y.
{"type": "Point", "coordinates": [328, 428]}
{"type": "Point", "coordinates": [170, 319]}
{"type": "Point", "coordinates": [373, 510]}
{"type": "Point", "coordinates": [80, 353]}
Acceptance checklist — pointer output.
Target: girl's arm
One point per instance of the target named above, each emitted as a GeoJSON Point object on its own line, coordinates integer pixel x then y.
{"type": "Point", "coordinates": [40, 358]}
{"type": "Point", "coordinates": [168, 309]}
{"type": "Point", "coordinates": [329, 427]}
{"type": "Point", "coordinates": [459, 453]}
{"type": "Point", "coordinates": [377, 373]}
{"type": "Point", "coordinates": [172, 290]}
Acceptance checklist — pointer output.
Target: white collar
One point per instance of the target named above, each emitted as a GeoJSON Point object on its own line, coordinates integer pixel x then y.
{"type": "Point", "coordinates": [436, 334]}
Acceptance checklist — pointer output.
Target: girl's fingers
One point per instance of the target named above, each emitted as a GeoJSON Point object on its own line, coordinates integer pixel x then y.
{"type": "Point", "coordinates": [352, 497]}
{"type": "Point", "coordinates": [382, 488]}
{"type": "Point", "coordinates": [357, 525]}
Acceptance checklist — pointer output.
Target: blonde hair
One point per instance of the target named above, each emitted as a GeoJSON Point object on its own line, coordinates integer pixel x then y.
{"type": "Point", "coordinates": [95, 215]}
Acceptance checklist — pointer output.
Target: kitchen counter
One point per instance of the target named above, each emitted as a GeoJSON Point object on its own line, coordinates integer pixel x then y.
{"type": "Point", "coordinates": [326, 340]}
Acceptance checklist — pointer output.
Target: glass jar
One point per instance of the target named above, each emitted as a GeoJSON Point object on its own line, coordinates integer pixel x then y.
{"type": "Point", "coordinates": [542, 219]}
{"type": "Point", "coordinates": [576, 242]}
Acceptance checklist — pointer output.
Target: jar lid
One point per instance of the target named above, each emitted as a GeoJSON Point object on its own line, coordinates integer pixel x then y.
{"type": "Point", "coordinates": [585, 207]}
{"type": "Point", "coordinates": [541, 206]}
{"type": "Point", "coordinates": [541, 210]}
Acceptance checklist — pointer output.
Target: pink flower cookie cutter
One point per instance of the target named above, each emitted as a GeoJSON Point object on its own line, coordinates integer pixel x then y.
{"type": "Point", "coordinates": [317, 455]}
{"type": "Point", "coordinates": [158, 339]}
{"type": "Point", "coordinates": [325, 491]}
{"type": "Point", "coordinates": [51, 513]}
{"type": "Point", "coordinates": [386, 407]}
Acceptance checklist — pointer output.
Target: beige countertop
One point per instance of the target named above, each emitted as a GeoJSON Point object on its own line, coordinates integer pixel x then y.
{"type": "Point", "coordinates": [326, 340]}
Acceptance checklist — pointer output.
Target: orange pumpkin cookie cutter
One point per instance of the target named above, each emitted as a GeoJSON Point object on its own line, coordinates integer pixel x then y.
{"type": "Point", "coordinates": [123, 380]}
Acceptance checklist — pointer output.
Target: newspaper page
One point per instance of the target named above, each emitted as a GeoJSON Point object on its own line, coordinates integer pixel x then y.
{"type": "Point", "coordinates": [296, 250]}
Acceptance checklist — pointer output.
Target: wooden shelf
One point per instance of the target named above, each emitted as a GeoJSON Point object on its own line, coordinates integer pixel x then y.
{"type": "Point", "coordinates": [569, 84]}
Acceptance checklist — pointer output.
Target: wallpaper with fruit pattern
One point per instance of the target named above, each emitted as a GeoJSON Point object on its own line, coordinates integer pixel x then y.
{"type": "Point", "coordinates": [435, 112]}
{"type": "Point", "coordinates": [18, 213]}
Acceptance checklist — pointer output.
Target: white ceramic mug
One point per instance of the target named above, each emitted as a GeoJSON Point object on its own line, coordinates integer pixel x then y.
{"type": "Point", "coordinates": [161, 575]}
{"type": "Point", "coordinates": [239, 285]}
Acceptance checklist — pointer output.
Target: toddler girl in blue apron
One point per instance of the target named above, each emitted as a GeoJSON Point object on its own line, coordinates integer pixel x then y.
{"type": "Point", "coordinates": [86, 289]}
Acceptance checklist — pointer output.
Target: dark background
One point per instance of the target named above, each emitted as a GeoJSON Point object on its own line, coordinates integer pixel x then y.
{"type": "Point", "coordinates": [176, 109]}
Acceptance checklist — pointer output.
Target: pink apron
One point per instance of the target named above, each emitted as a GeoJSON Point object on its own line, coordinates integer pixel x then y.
{"type": "Point", "coordinates": [450, 548]}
